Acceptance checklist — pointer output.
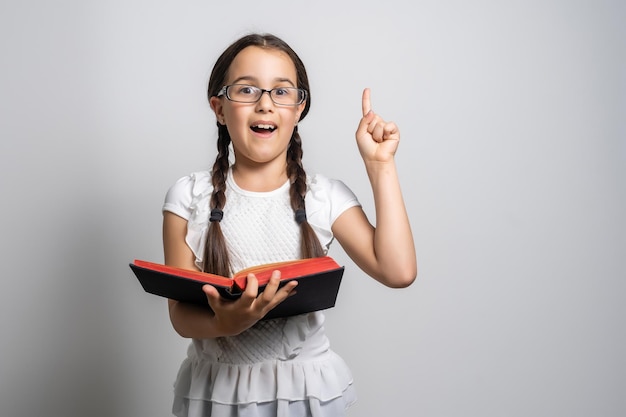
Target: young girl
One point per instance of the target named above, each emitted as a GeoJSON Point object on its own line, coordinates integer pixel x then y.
{"type": "Point", "coordinates": [264, 208]}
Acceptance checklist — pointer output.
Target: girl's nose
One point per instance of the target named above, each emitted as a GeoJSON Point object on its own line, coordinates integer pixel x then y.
{"type": "Point", "coordinates": [265, 102]}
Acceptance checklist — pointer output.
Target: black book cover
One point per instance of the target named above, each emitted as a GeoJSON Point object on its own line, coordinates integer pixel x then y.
{"type": "Point", "coordinates": [315, 290]}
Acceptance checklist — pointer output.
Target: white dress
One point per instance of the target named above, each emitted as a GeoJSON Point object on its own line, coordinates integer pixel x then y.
{"type": "Point", "coordinates": [281, 367]}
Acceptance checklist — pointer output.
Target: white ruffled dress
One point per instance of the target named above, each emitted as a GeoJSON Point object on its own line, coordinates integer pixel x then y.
{"type": "Point", "coordinates": [280, 367]}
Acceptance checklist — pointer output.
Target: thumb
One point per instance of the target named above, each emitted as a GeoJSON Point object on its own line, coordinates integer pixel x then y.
{"type": "Point", "coordinates": [364, 123]}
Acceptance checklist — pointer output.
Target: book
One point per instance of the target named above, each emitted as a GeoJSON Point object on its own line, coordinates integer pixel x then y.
{"type": "Point", "coordinates": [318, 279]}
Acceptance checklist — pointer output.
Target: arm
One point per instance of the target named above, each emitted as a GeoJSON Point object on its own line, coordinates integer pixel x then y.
{"type": "Point", "coordinates": [228, 317]}
{"type": "Point", "coordinates": [385, 252]}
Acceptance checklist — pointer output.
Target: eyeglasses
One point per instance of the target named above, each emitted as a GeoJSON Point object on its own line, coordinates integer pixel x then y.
{"type": "Point", "coordinates": [243, 93]}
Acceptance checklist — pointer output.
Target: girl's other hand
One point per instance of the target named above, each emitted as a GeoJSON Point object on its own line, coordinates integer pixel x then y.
{"type": "Point", "coordinates": [233, 317]}
{"type": "Point", "coordinates": [377, 139]}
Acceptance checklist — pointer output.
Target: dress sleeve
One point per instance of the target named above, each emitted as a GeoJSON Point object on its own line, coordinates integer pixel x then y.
{"type": "Point", "coordinates": [189, 199]}
{"type": "Point", "coordinates": [178, 197]}
{"type": "Point", "coordinates": [342, 199]}
{"type": "Point", "coordinates": [326, 200]}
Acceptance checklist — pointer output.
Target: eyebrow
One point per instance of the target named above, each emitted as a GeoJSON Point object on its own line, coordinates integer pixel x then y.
{"type": "Point", "coordinates": [252, 79]}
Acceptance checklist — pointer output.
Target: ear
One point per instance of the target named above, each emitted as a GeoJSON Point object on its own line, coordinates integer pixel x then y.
{"type": "Point", "coordinates": [299, 111]}
{"type": "Point", "coordinates": [218, 109]}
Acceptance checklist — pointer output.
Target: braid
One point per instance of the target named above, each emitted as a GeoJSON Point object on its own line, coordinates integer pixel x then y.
{"type": "Point", "coordinates": [216, 258]}
{"type": "Point", "coordinates": [310, 246]}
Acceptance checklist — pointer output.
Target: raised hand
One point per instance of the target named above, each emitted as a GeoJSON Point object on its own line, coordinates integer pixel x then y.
{"type": "Point", "coordinates": [377, 139]}
{"type": "Point", "coordinates": [233, 317]}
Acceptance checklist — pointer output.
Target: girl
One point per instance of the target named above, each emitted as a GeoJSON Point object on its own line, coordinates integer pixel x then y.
{"type": "Point", "coordinates": [254, 212]}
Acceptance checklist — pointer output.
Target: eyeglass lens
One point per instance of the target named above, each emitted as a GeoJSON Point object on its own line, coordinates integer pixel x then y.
{"type": "Point", "coordinates": [251, 94]}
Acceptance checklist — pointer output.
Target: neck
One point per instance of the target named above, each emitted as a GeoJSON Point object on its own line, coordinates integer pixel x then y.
{"type": "Point", "coordinates": [262, 178]}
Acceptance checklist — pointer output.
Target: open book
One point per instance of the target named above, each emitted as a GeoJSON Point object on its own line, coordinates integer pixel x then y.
{"type": "Point", "coordinates": [318, 283]}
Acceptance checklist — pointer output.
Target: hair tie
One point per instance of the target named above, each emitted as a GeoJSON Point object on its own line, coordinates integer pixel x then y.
{"type": "Point", "coordinates": [216, 215]}
{"type": "Point", "coordinates": [300, 216]}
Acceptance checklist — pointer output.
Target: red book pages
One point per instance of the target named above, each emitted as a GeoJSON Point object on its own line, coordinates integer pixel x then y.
{"type": "Point", "coordinates": [185, 273]}
{"type": "Point", "coordinates": [288, 270]}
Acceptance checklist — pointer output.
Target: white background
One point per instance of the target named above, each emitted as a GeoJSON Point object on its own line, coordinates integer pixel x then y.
{"type": "Point", "coordinates": [512, 162]}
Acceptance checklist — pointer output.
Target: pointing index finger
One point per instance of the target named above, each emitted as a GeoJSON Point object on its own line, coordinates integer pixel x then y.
{"type": "Point", "coordinates": [367, 106]}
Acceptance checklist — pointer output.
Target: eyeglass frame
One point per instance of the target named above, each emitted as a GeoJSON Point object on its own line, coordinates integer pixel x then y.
{"type": "Point", "coordinates": [224, 92]}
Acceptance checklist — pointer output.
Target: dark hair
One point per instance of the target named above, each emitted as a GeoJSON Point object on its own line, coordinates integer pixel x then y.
{"type": "Point", "coordinates": [216, 259]}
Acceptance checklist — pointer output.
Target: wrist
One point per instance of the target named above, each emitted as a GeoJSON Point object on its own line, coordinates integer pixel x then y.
{"type": "Point", "coordinates": [378, 169]}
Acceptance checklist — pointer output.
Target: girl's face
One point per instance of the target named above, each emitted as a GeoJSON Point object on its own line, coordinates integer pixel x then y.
{"type": "Point", "coordinates": [261, 131]}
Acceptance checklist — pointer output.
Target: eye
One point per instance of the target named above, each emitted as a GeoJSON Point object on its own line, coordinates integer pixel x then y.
{"type": "Point", "coordinates": [282, 91]}
{"type": "Point", "coordinates": [246, 90]}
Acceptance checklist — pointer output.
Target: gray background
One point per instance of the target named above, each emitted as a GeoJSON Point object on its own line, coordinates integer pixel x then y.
{"type": "Point", "coordinates": [512, 159]}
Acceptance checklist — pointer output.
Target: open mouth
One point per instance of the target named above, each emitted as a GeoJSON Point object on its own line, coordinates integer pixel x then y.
{"type": "Point", "coordinates": [263, 128]}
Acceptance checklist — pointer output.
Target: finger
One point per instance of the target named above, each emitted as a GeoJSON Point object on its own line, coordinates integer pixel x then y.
{"type": "Point", "coordinates": [290, 288]}
{"type": "Point", "coordinates": [271, 287]}
{"type": "Point", "coordinates": [365, 123]}
{"type": "Point", "coordinates": [281, 295]}
{"type": "Point", "coordinates": [251, 291]}
{"type": "Point", "coordinates": [391, 131]}
{"type": "Point", "coordinates": [212, 295]}
{"type": "Point", "coordinates": [374, 121]}
{"type": "Point", "coordinates": [377, 133]}
{"type": "Point", "coordinates": [365, 102]}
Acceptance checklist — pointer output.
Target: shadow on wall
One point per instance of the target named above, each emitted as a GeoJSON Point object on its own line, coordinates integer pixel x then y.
{"type": "Point", "coordinates": [70, 355]}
